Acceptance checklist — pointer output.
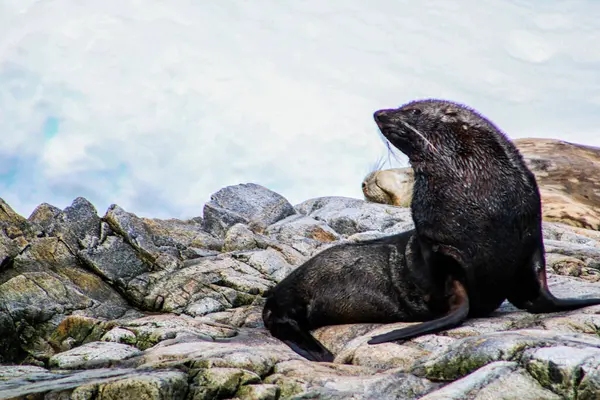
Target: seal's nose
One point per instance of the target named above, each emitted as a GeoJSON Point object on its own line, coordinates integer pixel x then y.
{"type": "Point", "coordinates": [378, 115]}
{"type": "Point", "coordinates": [381, 115]}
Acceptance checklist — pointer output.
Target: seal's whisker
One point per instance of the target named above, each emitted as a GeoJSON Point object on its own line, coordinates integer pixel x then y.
{"type": "Point", "coordinates": [412, 128]}
{"type": "Point", "coordinates": [393, 153]}
{"type": "Point", "coordinates": [377, 165]}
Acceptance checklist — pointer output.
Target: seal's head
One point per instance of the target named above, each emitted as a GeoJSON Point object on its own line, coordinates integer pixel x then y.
{"type": "Point", "coordinates": [440, 131]}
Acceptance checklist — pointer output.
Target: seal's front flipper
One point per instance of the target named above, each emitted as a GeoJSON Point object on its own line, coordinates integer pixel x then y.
{"type": "Point", "coordinates": [532, 292]}
{"type": "Point", "coordinates": [459, 310]}
{"type": "Point", "coordinates": [290, 331]}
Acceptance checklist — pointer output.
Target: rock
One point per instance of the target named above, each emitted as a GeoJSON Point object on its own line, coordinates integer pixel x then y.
{"type": "Point", "coordinates": [569, 178]}
{"type": "Point", "coordinates": [120, 335]}
{"type": "Point", "coordinates": [12, 224]}
{"type": "Point", "coordinates": [258, 392]}
{"type": "Point", "coordinates": [175, 311]}
{"type": "Point", "coordinates": [157, 385]}
{"type": "Point", "coordinates": [249, 204]}
{"type": "Point", "coordinates": [222, 382]}
{"type": "Point", "coordinates": [114, 260]}
{"type": "Point", "coordinates": [209, 285]}
{"type": "Point", "coordinates": [9, 249]}
{"type": "Point", "coordinates": [181, 235]}
{"type": "Point", "coordinates": [466, 355]}
{"type": "Point", "coordinates": [302, 227]}
{"type": "Point", "coordinates": [561, 368]}
{"type": "Point", "coordinates": [349, 216]}
{"type": "Point", "coordinates": [239, 237]}
{"type": "Point", "coordinates": [22, 381]}
{"type": "Point", "coordinates": [499, 380]}
{"type": "Point", "coordinates": [140, 237]}
{"type": "Point", "coordinates": [270, 262]}
{"type": "Point", "coordinates": [335, 381]}
{"type": "Point", "coordinates": [93, 355]}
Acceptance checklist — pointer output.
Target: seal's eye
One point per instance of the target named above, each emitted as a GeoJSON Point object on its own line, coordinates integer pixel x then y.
{"type": "Point", "coordinates": [414, 111]}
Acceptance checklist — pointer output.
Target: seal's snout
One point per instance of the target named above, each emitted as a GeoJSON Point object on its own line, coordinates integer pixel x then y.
{"type": "Point", "coordinates": [382, 116]}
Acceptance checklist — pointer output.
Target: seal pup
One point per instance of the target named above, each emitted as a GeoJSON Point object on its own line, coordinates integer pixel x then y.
{"type": "Point", "coordinates": [477, 241]}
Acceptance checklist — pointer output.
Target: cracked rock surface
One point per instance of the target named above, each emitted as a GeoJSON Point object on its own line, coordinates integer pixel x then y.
{"type": "Point", "coordinates": [120, 306]}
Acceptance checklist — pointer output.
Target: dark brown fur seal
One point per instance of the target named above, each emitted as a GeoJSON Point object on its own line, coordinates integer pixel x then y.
{"type": "Point", "coordinates": [477, 240]}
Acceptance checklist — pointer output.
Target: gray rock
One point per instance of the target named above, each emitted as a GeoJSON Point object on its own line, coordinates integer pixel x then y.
{"type": "Point", "coordinates": [301, 227]}
{"type": "Point", "coordinates": [8, 250]}
{"type": "Point", "coordinates": [159, 385]}
{"type": "Point", "coordinates": [349, 216]}
{"type": "Point", "coordinates": [25, 381]}
{"type": "Point", "coordinates": [560, 368]}
{"type": "Point", "coordinates": [181, 235]}
{"type": "Point", "coordinates": [120, 335]}
{"type": "Point", "coordinates": [93, 355]}
{"type": "Point", "coordinates": [249, 204]}
{"type": "Point", "coordinates": [239, 237]}
{"type": "Point", "coordinates": [270, 262]}
{"type": "Point", "coordinates": [117, 262]}
{"type": "Point", "coordinates": [499, 380]}
{"type": "Point", "coordinates": [466, 355]}
{"type": "Point", "coordinates": [228, 282]}
{"type": "Point", "coordinates": [138, 234]}
{"type": "Point", "coordinates": [258, 392]}
{"type": "Point", "coordinates": [77, 225]}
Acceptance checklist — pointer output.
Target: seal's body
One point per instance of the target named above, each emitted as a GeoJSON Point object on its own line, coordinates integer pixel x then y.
{"type": "Point", "coordinates": [477, 239]}
{"type": "Point", "coordinates": [380, 280]}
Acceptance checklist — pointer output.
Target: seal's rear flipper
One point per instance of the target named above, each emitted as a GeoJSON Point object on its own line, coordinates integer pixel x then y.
{"type": "Point", "coordinates": [546, 303]}
{"type": "Point", "coordinates": [532, 292]}
{"type": "Point", "coordinates": [459, 309]}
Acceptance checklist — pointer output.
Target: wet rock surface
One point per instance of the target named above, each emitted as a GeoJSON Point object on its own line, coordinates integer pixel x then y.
{"type": "Point", "coordinates": [120, 306]}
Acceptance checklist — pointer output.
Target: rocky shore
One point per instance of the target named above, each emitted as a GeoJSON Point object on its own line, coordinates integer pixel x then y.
{"type": "Point", "coordinates": [120, 306]}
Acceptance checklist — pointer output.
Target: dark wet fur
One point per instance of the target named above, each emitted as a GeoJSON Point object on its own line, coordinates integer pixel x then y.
{"type": "Point", "coordinates": [475, 201]}
{"type": "Point", "coordinates": [477, 241]}
{"type": "Point", "coordinates": [381, 280]}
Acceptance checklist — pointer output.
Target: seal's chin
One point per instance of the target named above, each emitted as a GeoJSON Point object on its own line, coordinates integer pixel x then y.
{"type": "Point", "coordinates": [392, 133]}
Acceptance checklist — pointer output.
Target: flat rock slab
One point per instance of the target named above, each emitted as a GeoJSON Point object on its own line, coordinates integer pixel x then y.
{"type": "Point", "coordinates": [94, 354]}
{"type": "Point", "coordinates": [500, 380]}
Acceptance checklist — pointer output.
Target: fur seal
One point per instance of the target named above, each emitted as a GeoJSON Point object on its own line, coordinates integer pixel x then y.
{"type": "Point", "coordinates": [477, 240]}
